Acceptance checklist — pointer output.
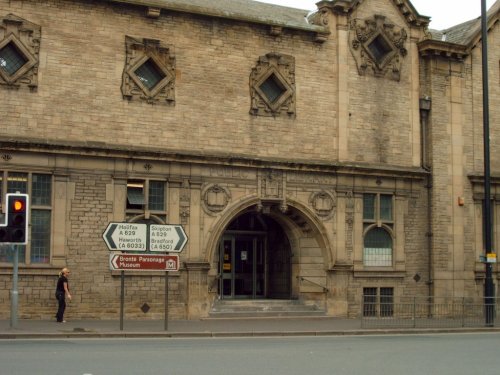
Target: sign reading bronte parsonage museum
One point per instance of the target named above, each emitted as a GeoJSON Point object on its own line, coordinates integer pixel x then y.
{"type": "Point", "coordinates": [143, 262]}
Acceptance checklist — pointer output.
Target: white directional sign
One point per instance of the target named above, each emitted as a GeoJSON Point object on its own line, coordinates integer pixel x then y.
{"type": "Point", "coordinates": [167, 238]}
{"type": "Point", "coordinates": [126, 236]}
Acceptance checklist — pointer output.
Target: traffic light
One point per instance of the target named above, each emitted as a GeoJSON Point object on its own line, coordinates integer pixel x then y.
{"type": "Point", "coordinates": [15, 229]}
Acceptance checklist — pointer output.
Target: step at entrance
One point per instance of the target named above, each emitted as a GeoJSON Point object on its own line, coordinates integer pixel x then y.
{"type": "Point", "coordinates": [231, 308]}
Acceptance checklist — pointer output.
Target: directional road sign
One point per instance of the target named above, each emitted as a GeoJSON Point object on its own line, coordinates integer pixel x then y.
{"type": "Point", "coordinates": [143, 262]}
{"type": "Point", "coordinates": [167, 238]}
{"type": "Point", "coordinates": [126, 236]}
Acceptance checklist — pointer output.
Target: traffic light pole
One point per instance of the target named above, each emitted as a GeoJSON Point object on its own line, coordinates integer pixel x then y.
{"type": "Point", "coordinates": [14, 292]}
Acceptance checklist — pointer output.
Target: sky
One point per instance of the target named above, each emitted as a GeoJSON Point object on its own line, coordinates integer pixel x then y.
{"type": "Point", "coordinates": [443, 13]}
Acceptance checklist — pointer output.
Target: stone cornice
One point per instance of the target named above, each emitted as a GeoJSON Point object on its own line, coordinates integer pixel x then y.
{"type": "Point", "coordinates": [346, 7]}
{"type": "Point", "coordinates": [153, 10]}
{"type": "Point", "coordinates": [436, 48]}
{"type": "Point", "coordinates": [103, 150]}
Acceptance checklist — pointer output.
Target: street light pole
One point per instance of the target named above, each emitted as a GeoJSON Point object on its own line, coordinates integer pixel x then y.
{"type": "Point", "coordinates": [489, 292]}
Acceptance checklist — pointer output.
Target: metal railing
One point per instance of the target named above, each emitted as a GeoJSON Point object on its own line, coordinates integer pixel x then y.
{"type": "Point", "coordinates": [425, 312]}
{"type": "Point", "coordinates": [301, 278]}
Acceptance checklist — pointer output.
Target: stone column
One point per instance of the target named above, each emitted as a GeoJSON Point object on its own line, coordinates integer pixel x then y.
{"type": "Point", "coordinates": [64, 192]}
{"type": "Point", "coordinates": [198, 303]}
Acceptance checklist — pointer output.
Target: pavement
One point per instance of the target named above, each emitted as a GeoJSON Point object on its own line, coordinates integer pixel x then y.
{"type": "Point", "coordinates": [215, 327]}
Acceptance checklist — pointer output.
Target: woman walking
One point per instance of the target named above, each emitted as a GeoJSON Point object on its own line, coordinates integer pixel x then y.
{"type": "Point", "coordinates": [62, 290]}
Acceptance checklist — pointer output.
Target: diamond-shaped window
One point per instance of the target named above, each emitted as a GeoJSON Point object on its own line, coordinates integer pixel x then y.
{"type": "Point", "coordinates": [149, 74]}
{"type": "Point", "coordinates": [379, 48]}
{"type": "Point", "coordinates": [272, 88]}
{"type": "Point", "coordinates": [11, 59]}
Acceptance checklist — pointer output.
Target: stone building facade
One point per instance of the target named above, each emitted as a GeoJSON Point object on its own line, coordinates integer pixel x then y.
{"type": "Point", "coordinates": [312, 156]}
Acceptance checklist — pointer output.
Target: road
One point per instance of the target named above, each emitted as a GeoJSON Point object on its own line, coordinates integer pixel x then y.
{"type": "Point", "coordinates": [443, 354]}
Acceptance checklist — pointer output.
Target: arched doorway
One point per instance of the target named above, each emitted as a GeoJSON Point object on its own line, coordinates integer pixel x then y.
{"type": "Point", "coordinates": [254, 259]}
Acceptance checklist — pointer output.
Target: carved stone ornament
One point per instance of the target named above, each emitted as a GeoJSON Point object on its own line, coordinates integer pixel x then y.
{"type": "Point", "coordinates": [215, 198]}
{"type": "Point", "coordinates": [378, 46]}
{"type": "Point", "coordinates": [149, 72]}
{"type": "Point", "coordinates": [6, 157]}
{"type": "Point", "coordinates": [272, 185]}
{"type": "Point", "coordinates": [272, 86]}
{"type": "Point", "coordinates": [19, 52]}
{"type": "Point", "coordinates": [185, 201]}
{"type": "Point", "coordinates": [323, 203]}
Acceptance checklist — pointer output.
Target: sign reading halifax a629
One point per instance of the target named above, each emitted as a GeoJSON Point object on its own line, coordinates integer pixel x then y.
{"type": "Point", "coordinates": [126, 236]}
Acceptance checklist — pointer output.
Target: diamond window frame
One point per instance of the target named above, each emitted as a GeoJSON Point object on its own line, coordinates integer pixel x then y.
{"type": "Point", "coordinates": [378, 29]}
{"type": "Point", "coordinates": [139, 52]}
{"type": "Point", "coordinates": [278, 78]}
{"type": "Point", "coordinates": [382, 61]}
{"type": "Point", "coordinates": [160, 85]}
{"type": "Point", "coordinates": [281, 68]}
{"type": "Point", "coordinates": [24, 37]}
{"type": "Point", "coordinates": [6, 58]}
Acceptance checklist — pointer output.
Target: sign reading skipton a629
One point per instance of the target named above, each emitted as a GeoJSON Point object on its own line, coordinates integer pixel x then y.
{"type": "Point", "coordinates": [168, 238]}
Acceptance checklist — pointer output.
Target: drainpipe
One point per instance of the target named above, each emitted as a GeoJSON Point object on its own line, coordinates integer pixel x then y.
{"type": "Point", "coordinates": [425, 108]}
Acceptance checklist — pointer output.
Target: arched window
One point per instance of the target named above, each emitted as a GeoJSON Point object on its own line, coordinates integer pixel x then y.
{"type": "Point", "coordinates": [377, 248]}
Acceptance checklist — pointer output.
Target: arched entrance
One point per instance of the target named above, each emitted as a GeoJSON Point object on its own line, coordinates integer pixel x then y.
{"type": "Point", "coordinates": [254, 259]}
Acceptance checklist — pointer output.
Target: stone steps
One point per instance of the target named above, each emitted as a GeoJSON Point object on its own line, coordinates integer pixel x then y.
{"type": "Point", "coordinates": [248, 308]}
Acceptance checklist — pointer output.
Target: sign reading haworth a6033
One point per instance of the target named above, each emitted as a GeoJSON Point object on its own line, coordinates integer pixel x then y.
{"type": "Point", "coordinates": [126, 236]}
{"type": "Point", "coordinates": [167, 238]}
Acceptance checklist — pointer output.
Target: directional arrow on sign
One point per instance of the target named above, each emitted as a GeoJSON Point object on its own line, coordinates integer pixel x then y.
{"type": "Point", "coordinates": [167, 238]}
{"type": "Point", "coordinates": [126, 236]}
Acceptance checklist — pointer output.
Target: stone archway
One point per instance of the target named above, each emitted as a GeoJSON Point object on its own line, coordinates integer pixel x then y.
{"type": "Point", "coordinates": [297, 245]}
{"type": "Point", "coordinates": [254, 259]}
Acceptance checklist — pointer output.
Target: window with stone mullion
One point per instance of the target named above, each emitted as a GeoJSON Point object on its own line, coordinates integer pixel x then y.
{"type": "Point", "coordinates": [39, 188]}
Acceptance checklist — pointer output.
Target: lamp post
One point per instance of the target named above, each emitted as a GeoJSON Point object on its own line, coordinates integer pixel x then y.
{"type": "Point", "coordinates": [489, 292]}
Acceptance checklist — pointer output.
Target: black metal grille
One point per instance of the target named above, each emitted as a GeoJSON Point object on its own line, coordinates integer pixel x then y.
{"type": "Point", "coordinates": [379, 48]}
{"type": "Point", "coordinates": [149, 74]}
{"type": "Point", "coordinates": [386, 301]}
{"type": "Point", "coordinates": [369, 301]}
{"type": "Point", "coordinates": [272, 89]}
{"type": "Point", "coordinates": [11, 60]}
{"type": "Point", "coordinates": [378, 302]}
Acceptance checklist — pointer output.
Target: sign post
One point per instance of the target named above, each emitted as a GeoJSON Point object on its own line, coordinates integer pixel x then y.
{"type": "Point", "coordinates": [14, 292]}
{"type": "Point", "coordinates": [145, 241]}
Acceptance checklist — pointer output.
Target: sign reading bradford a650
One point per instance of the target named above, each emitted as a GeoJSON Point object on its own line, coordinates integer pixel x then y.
{"type": "Point", "coordinates": [126, 236]}
{"type": "Point", "coordinates": [167, 238]}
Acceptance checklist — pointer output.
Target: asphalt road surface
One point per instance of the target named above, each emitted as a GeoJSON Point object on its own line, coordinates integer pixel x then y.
{"type": "Point", "coordinates": [443, 354]}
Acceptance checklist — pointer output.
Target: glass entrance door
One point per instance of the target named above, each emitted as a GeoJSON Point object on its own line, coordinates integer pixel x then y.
{"type": "Point", "coordinates": [242, 266]}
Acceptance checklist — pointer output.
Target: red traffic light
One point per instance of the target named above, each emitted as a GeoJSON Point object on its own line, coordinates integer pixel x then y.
{"type": "Point", "coordinates": [18, 205]}
{"type": "Point", "coordinates": [15, 229]}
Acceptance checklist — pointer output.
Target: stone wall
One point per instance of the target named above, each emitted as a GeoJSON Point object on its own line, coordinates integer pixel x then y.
{"type": "Point", "coordinates": [353, 128]}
